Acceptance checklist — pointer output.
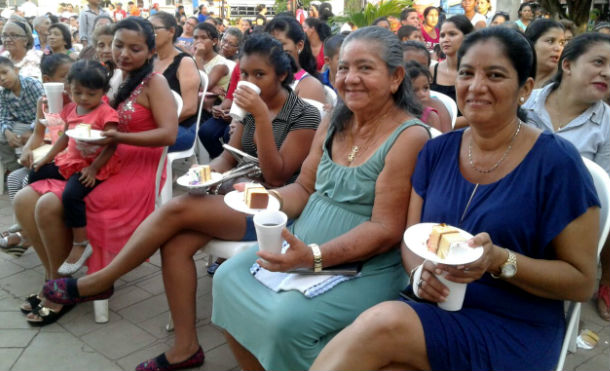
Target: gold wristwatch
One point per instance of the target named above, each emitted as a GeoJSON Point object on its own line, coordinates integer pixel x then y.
{"type": "Point", "coordinates": [509, 268]}
{"type": "Point", "coordinates": [317, 257]}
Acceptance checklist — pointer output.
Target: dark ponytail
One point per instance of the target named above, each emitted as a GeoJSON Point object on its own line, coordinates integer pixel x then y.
{"type": "Point", "coordinates": [145, 28]}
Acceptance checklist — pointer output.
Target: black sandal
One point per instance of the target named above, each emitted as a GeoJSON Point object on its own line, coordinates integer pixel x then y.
{"type": "Point", "coordinates": [48, 315]}
{"type": "Point", "coordinates": [33, 301]}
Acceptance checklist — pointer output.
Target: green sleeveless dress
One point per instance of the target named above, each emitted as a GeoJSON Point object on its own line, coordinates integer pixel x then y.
{"type": "Point", "coordinates": [286, 330]}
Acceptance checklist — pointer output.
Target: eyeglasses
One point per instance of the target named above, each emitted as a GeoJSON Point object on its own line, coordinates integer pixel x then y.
{"type": "Point", "coordinates": [11, 36]}
{"type": "Point", "coordinates": [223, 41]}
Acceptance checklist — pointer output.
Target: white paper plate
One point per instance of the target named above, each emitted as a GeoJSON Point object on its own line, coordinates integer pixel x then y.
{"type": "Point", "coordinates": [416, 238]}
{"type": "Point", "coordinates": [235, 200]}
{"type": "Point", "coordinates": [184, 181]}
{"type": "Point", "coordinates": [77, 134]}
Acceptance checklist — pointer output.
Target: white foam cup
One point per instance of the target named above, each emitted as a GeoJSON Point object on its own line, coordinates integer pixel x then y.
{"type": "Point", "coordinates": [269, 225]}
{"type": "Point", "coordinates": [55, 99]}
{"type": "Point", "coordinates": [455, 299]}
{"type": "Point", "coordinates": [236, 111]}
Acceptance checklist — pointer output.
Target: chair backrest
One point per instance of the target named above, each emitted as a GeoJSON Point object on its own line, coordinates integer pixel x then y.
{"type": "Point", "coordinates": [178, 100]}
{"type": "Point", "coordinates": [448, 103]}
{"type": "Point", "coordinates": [204, 89]}
{"type": "Point", "coordinates": [331, 96]}
{"type": "Point", "coordinates": [161, 167]}
{"type": "Point", "coordinates": [315, 103]}
{"type": "Point", "coordinates": [602, 186]}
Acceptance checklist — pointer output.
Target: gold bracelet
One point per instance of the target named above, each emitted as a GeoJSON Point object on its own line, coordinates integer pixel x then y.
{"type": "Point", "coordinates": [277, 195]}
{"type": "Point", "coordinates": [317, 257]}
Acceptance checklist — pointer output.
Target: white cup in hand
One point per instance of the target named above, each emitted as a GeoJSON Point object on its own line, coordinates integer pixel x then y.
{"type": "Point", "coordinates": [269, 225]}
{"type": "Point", "coordinates": [55, 96]}
{"type": "Point", "coordinates": [457, 291]}
{"type": "Point", "coordinates": [236, 111]}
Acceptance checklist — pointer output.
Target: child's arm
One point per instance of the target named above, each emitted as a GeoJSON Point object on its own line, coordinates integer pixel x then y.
{"type": "Point", "coordinates": [88, 174]}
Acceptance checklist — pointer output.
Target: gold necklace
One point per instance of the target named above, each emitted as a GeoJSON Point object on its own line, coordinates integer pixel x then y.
{"type": "Point", "coordinates": [495, 166]}
{"type": "Point", "coordinates": [356, 148]}
{"type": "Point", "coordinates": [352, 155]}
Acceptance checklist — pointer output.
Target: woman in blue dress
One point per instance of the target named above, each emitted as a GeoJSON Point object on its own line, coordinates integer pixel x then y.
{"type": "Point", "coordinates": [535, 215]}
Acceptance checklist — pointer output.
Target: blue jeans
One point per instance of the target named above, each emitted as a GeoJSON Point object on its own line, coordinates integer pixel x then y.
{"type": "Point", "coordinates": [210, 133]}
{"type": "Point", "coordinates": [184, 140]}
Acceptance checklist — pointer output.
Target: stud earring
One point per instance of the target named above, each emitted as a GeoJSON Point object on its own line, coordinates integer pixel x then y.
{"type": "Point", "coordinates": [298, 51]}
{"type": "Point", "coordinates": [522, 100]}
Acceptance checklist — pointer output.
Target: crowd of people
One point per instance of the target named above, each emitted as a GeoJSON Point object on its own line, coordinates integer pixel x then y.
{"type": "Point", "coordinates": [351, 173]}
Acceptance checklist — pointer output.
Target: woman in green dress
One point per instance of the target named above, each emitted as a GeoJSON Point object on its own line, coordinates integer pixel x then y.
{"type": "Point", "coordinates": [349, 204]}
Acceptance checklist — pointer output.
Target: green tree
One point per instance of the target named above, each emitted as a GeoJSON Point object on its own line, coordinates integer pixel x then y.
{"type": "Point", "coordinates": [366, 16]}
{"type": "Point", "coordinates": [577, 10]}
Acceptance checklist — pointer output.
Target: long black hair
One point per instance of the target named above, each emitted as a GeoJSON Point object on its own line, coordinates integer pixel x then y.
{"type": "Point", "coordinates": [144, 28]}
{"type": "Point", "coordinates": [390, 50]}
{"type": "Point", "coordinates": [263, 44]}
{"type": "Point", "coordinates": [293, 30]}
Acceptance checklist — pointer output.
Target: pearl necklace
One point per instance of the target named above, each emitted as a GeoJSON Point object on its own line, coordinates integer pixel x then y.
{"type": "Point", "coordinates": [495, 166]}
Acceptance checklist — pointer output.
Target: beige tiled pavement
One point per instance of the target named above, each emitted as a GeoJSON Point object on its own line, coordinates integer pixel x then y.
{"type": "Point", "coordinates": [138, 315]}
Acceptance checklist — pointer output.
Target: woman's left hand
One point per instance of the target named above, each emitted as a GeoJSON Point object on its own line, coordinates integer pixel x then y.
{"type": "Point", "coordinates": [467, 273]}
{"type": "Point", "coordinates": [110, 136]}
{"type": "Point", "coordinates": [298, 255]}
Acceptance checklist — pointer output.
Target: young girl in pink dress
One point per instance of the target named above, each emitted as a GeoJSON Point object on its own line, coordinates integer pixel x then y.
{"type": "Point", "coordinates": [83, 165]}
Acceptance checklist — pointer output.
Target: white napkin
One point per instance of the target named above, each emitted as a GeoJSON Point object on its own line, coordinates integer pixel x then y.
{"type": "Point", "coordinates": [309, 285]}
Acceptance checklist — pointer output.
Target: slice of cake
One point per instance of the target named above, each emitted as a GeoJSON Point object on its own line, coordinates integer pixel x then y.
{"type": "Point", "coordinates": [256, 196]}
{"type": "Point", "coordinates": [83, 130]}
{"type": "Point", "coordinates": [441, 238]}
{"type": "Point", "coordinates": [199, 174]}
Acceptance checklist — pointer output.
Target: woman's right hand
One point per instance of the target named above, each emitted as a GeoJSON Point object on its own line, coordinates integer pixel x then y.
{"type": "Point", "coordinates": [429, 287]}
{"type": "Point", "coordinates": [250, 101]}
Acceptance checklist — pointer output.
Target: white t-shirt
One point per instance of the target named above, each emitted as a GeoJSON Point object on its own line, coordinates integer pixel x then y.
{"type": "Point", "coordinates": [478, 17]}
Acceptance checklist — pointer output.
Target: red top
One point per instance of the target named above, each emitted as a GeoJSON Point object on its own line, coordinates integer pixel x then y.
{"type": "Point", "coordinates": [233, 82]}
{"type": "Point", "coordinates": [80, 155]}
{"type": "Point", "coordinates": [320, 59]}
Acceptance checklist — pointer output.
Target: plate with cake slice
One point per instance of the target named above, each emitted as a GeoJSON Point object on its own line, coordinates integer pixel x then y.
{"type": "Point", "coordinates": [84, 133]}
{"type": "Point", "coordinates": [441, 243]}
{"type": "Point", "coordinates": [200, 176]}
{"type": "Point", "coordinates": [252, 200]}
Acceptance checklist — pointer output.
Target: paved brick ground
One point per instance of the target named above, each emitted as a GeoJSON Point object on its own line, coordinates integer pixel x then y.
{"type": "Point", "coordinates": [138, 315]}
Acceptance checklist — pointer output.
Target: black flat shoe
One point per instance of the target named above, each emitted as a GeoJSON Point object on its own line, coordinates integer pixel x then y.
{"type": "Point", "coordinates": [33, 301]}
{"type": "Point", "coordinates": [48, 315]}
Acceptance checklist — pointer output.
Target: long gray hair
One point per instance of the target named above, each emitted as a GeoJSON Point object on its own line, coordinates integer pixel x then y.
{"type": "Point", "coordinates": [390, 51]}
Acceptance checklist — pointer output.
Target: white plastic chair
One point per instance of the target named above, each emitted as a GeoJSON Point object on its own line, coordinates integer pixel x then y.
{"type": "Point", "coordinates": [331, 96]}
{"type": "Point", "coordinates": [448, 103]}
{"type": "Point", "coordinates": [167, 191]}
{"type": "Point", "coordinates": [100, 307]}
{"type": "Point", "coordinates": [602, 186]}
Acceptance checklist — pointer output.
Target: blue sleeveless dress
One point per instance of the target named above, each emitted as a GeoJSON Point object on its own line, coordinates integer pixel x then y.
{"type": "Point", "coordinates": [286, 330]}
{"type": "Point", "coordinates": [502, 327]}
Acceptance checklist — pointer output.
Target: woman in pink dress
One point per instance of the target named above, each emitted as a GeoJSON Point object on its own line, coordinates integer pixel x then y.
{"type": "Point", "coordinates": [147, 122]}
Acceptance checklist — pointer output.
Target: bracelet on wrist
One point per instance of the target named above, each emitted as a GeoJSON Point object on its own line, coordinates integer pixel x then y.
{"type": "Point", "coordinates": [317, 257]}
